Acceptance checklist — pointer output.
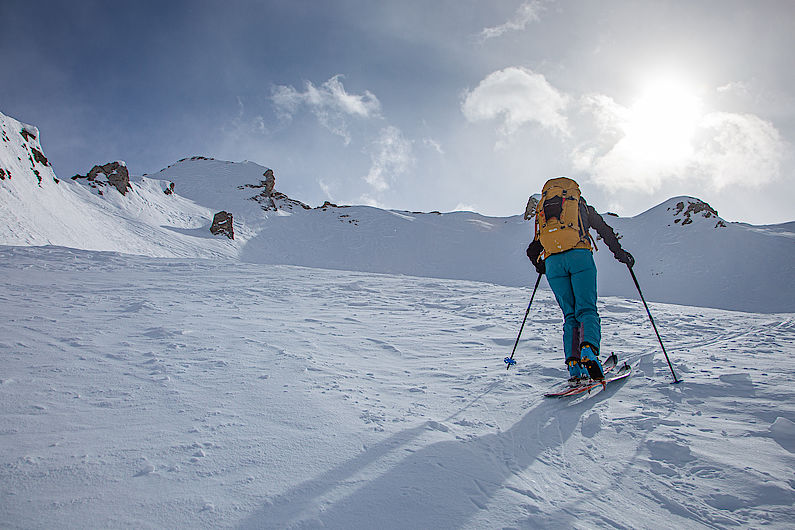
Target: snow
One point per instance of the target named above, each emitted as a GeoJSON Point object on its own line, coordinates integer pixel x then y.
{"type": "Point", "coordinates": [37, 210]}
{"type": "Point", "coordinates": [185, 393]}
{"type": "Point", "coordinates": [342, 367]}
{"type": "Point", "coordinates": [685, 258]}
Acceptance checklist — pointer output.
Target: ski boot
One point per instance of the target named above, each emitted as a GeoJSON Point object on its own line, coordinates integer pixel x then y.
{"type": "Point", "coordinates": [590, 359]}
{"type": "Point", "coordinates": [576, 372]}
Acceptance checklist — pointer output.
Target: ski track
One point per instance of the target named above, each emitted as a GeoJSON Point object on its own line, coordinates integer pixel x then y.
{"type": "Point", "coordinates": [189, 393]}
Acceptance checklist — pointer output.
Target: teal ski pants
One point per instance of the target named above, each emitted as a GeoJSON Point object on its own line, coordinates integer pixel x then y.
{"type": "Point", "coordinates": [572, 277]}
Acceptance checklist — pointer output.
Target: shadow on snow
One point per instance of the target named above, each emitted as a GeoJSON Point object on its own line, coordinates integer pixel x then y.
{"type": "Point", "coordinates": [441, 485]}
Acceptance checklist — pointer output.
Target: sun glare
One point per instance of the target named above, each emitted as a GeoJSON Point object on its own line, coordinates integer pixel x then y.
{"type": "Point", "coordinates": [662, 122]}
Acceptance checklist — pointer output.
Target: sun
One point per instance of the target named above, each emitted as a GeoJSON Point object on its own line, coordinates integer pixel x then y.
{"type": "Point", "coordinates": [662, 122]}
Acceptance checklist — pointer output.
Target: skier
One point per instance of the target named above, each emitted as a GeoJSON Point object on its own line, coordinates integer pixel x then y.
{"type": "Point", "coordinates": [561, 248]}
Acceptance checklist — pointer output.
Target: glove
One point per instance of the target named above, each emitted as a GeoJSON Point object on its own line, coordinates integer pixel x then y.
{"type": "Point", "coordinates": [534, 253]}
{"type": "Point", "coordinates": [626, 258]}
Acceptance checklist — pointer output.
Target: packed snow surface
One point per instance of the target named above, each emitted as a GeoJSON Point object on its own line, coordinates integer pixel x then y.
{"type": "Point", "coordinates": [185, 393]}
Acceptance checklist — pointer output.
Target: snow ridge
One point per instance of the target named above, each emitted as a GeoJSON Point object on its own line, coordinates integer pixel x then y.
{"type": "Point", "coordinates": [685, 253]}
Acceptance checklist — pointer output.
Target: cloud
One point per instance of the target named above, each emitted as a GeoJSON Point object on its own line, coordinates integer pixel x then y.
{"type": "Point", "coordinates": [369, 200]}
{"type": "Point", "coordinates": [517, 96]}
{"type": "Point", "coordinates": [623, 166]}
{"type": "Point", "coordinates": [331, 104]}
{"type": "Point", "coordinates": [734, 87]}
{"type": "Point", "coordinates": [526, 13]}
{"type": "Point", "coordinates": [739, 149]}
{"type": "Point", "coordinates": [241, 125]}
{"type": "Point", "coordinates": [432, 144]}
{"type": "Point", "coordinates": [326, 189]}
{"type": "Point", "coordinates": [608, 115]}
{"type": "Point", "coordinates": [722, 149]}
{"type": "Point", "coordinates": [391, 156]}
{"type": "Point", "coordinates": [465, 207]}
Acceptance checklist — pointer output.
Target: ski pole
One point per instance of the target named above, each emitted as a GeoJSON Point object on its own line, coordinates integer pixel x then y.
{"type": "Point", "coordinates": [509, 360]}
{"type": "Point", "coordinates": [635, 279]}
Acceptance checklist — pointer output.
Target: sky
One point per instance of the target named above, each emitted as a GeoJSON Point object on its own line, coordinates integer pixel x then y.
{"type": "Point", "coordinates": [423, 106]}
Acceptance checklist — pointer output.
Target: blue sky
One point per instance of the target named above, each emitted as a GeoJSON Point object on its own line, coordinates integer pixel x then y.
{"type": "Point", "coordinates": [422, 105]}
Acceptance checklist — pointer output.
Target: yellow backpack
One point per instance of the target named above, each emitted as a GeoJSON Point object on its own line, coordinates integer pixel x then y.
{"type": "Point", "coordinates": [559, 226]}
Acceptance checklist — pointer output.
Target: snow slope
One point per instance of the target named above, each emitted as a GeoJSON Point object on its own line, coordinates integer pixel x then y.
{"type": "Point", "coordinates": [694, 259]}
{"type": "Point", "coordinates": [39, 208]}
{"type": "Point", "coordinates": [185, 393]}
{"type": "Point", "coordinates": [685, 254]}
{"type": "Point", "coordinates": [737, 266]}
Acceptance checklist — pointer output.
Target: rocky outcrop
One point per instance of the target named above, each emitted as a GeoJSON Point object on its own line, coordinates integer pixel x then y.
{"type": "Point", "coordinates": [530, 209]}
{"type": "Point", "coordinates": [684, 213]}
{"type": "Point", "coordinates": [115, 174]}
{"type": "Point", "coordinates": [222, 224]}
{"type": "Point", "coordinates": [29, 133]}
{"type": "Point", "coordinates": [28, 147]}
{"type": "Point", "coordinates": [286, 203]}
{"type": "Point", "coordinates": [268, 198]}
{"type": "Point", "coordinates": [269, 182]}
{"type": "Point", "coordinates": [264, 198]}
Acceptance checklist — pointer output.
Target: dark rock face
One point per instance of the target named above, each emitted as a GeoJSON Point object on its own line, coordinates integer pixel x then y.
{"type": "Point", "coordinates": [27, 135]}
{"type": "Point", "coordinates": [39, 157]}
{"type": "Point", "coordinates": [36, 158]}
{"type": "Point", "coordinates": [684, 213]}
{"type": "Point", "coordinates": [265, 197]}
{"type": "Point", "coordinates": [222, 224]}
{"type": "Point", "coordinates": [268, 197]}
{"type": "Point", "coordinates": [530, 209]}
{"type": "Point", "coordinates": [270, 181]}
{"type": "Point", "coordinates": [115, 173]}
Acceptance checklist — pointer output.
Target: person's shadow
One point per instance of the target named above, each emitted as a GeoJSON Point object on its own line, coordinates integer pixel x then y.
{"type": "Point", "coordinates": [439, 486]}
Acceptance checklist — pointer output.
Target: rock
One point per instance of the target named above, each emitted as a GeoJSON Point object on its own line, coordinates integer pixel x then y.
{"type": "Point", "coordinates": [268, 197]}
{"type": "Point", "coordinates": [29, 132]}
{"type": "Point", "coordinates": [265, 197]}
{"type": "Point", "coordinates": [39, 157]}
{"type": "Point", "coordinates": [270, 181]}
{"type": "Point", "coordinates": [530, 209]}
{"type": "Point", "coordinates": [170, 189]}
{"type": "Point", "coordinates": [222, 224]}
{"type": "Point", "coordinates": [115, 173]}
{"type": "Point", "coordinates": [684, 213]}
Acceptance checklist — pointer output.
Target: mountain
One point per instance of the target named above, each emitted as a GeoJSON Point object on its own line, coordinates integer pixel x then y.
{"type": "Point", "coordinates": [683, 257]}
{"type": "Point", "coordinates": [39, 208]}
{"type": "Point", "coordinates": [685, 253]}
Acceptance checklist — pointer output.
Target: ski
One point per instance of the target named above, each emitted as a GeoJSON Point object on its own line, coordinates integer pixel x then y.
{"type": "Point", "coordinates": [610, 376]}
{"type": "Point", "coordinates": [607, 367]}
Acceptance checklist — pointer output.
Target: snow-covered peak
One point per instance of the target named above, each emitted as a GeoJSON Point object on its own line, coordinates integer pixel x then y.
{"type": "Point", "coordinates": [684, 211]}
{"type": "Point", "coordinates": [684, 252]}
{"type": "Point", "coordinates": [37, 208]}
{"type": "Point", "coordinates": [244, 188]}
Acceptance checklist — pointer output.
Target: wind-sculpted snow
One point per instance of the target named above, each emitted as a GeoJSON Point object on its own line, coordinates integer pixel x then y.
{"type": "Point", "coordinates": [184, 393]}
